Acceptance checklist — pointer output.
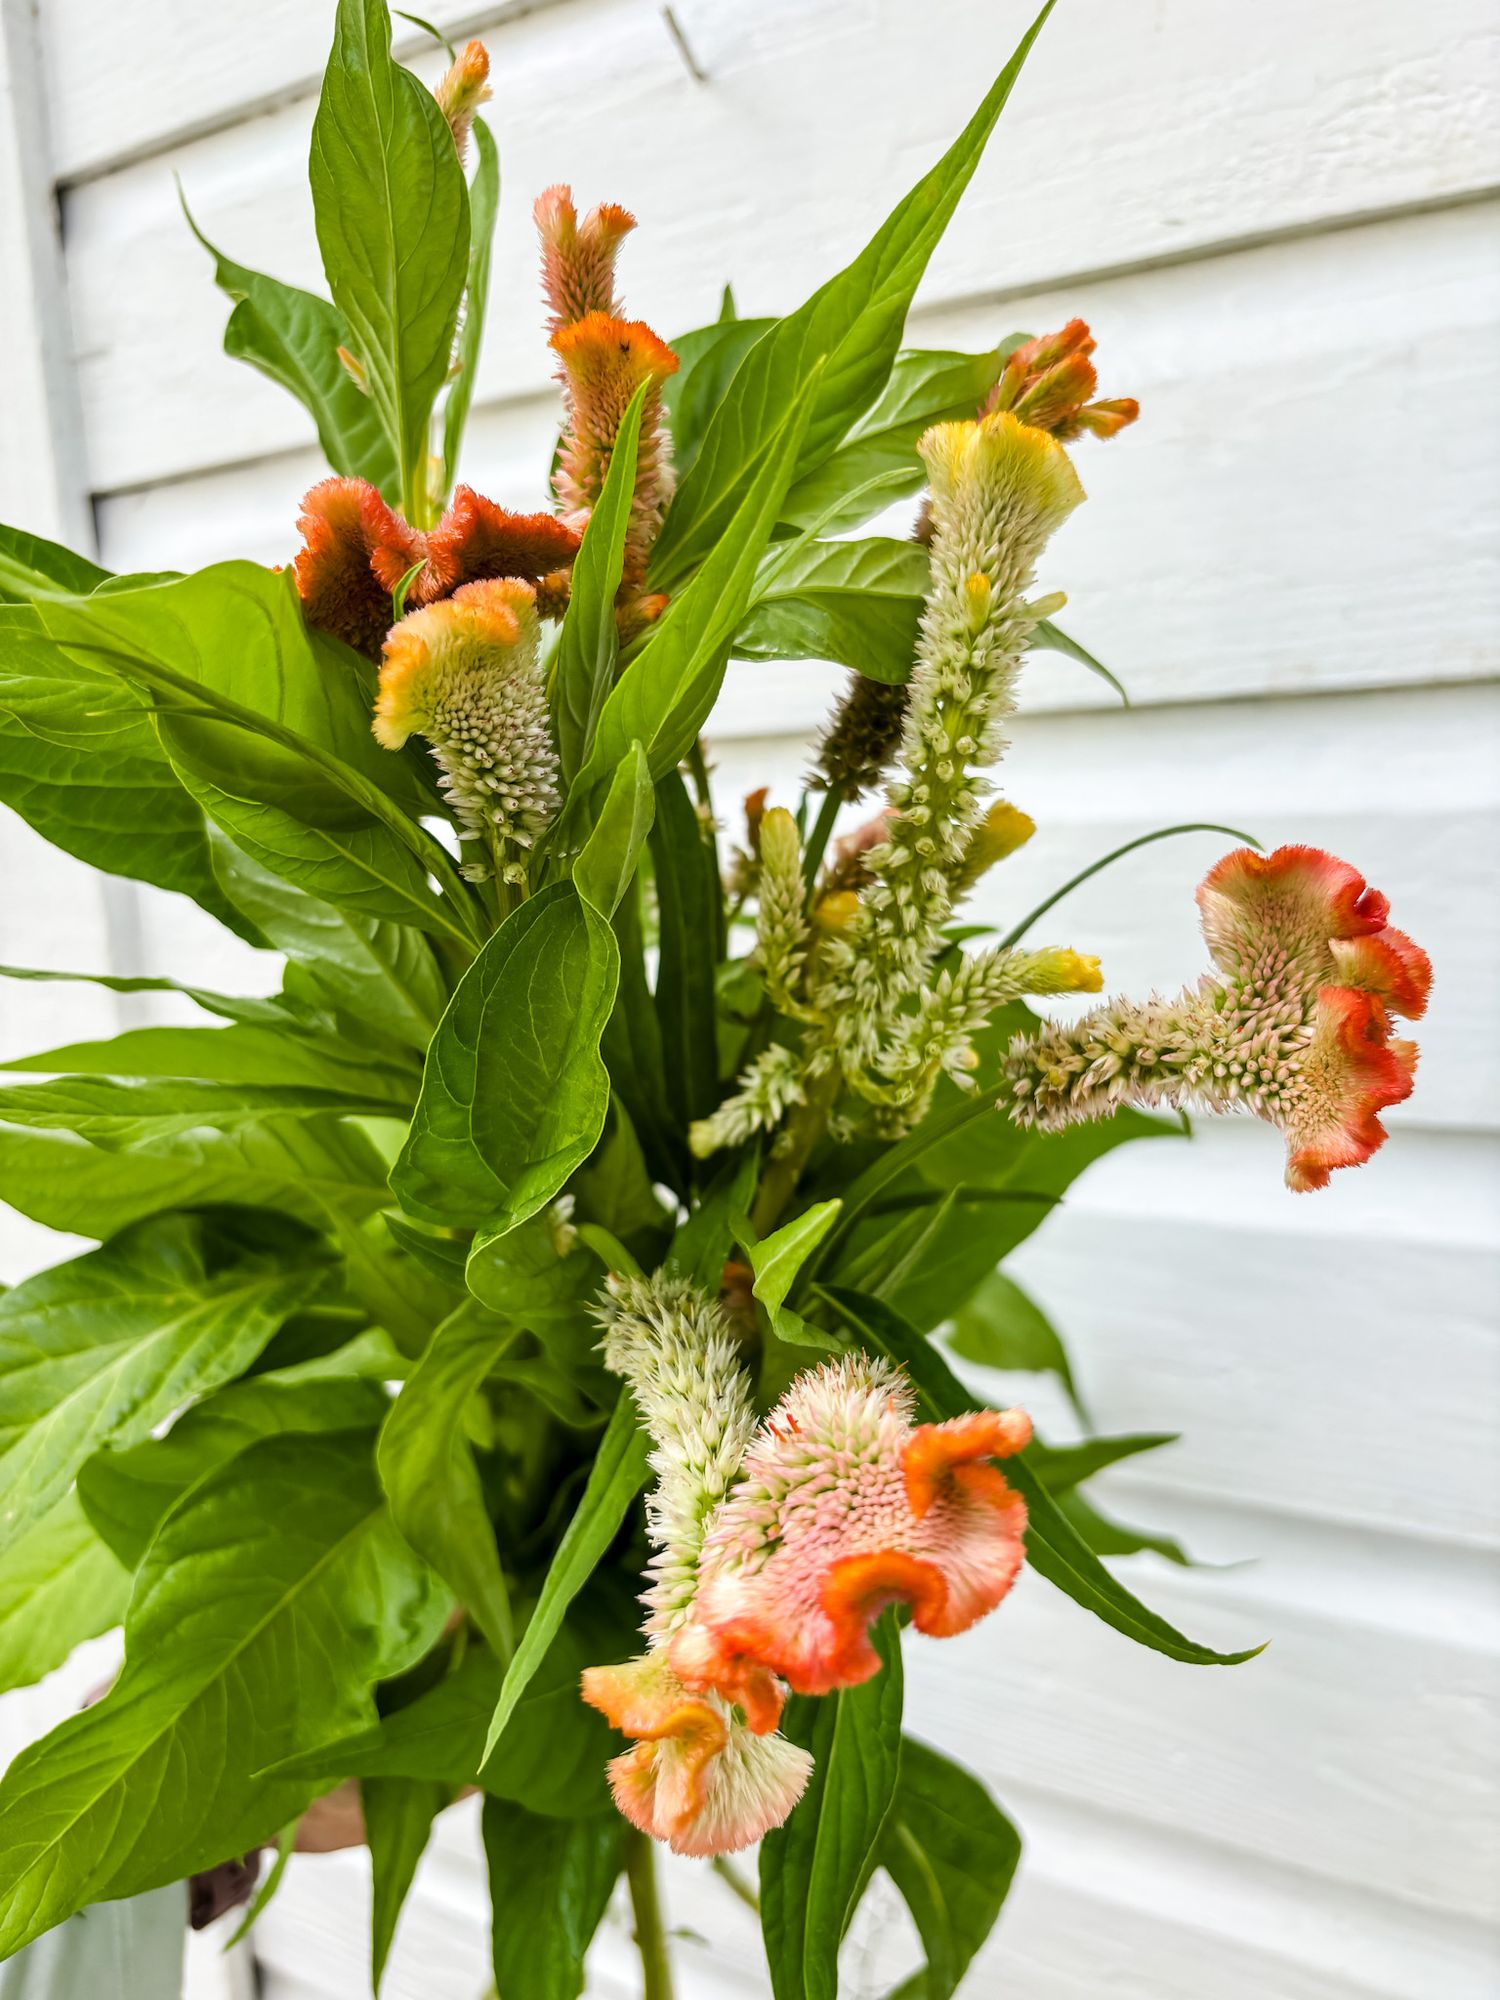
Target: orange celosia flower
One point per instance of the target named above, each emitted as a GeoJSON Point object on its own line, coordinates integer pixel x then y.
{"type": "Point", "coordinates": [697, 1777]}
{"type": "Point", "coordinates": [462, 89]}
{"type": "Point", "coordinates": [1295, 1026]}
{"type": "Point", "coordinates": [605, 360]}
{"type": "Point", "coordinates": [351, 540]}
{"type": "Point", "coordinates": [1048, 383]}
{"type": "Point", "coordinates": [477, 539]}
{"type": "Point", "coordinates": [578, 258]}
{"type": "Point", "coordinates": [843, 1507]}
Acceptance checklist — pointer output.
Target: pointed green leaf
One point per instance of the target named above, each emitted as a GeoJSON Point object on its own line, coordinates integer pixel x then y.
{"type": "Point", "coordinates": [1002, 1326]}
{"type": "Point", "coordinates": [106, 1346]}
{"type": "Point", "coordinates": [31, 567]}
{"type": "Point", "coordinates": [484, 206]}
{"type": "Point", "coordinates": [514, 1092]}
{"type": "Point", "coordinates": [272, 1600]}
{"type": "Point", "coordinates": [59, 1585]}
{"type": "Point", "coordinates": [604, 870]}
{"type": "Point", "coordinates": [550, 1880]}
{"type": "Point", "coordinates": [777, 1260]}
{"type": "Point", "coordinates": [952, 1854]}
{"type": "Point", "coordinates": [857, 603]}
{"type": "Point", "coordinates": [398, 1825]}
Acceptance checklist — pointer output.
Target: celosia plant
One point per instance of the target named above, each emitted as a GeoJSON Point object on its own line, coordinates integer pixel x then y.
{"type": "Point", "coordinates": [587, 1218]}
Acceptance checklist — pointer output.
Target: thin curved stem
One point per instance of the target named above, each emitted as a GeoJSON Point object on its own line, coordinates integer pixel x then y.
{"type": "Point", "coordinates": [645, 1905]}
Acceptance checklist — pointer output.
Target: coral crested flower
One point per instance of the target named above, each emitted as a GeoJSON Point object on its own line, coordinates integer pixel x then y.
{"type": "Point", "coordinates": [357, 550]}
{"type": "Point", "coordinates": [352, 541]}
{"type": "Point", "coordinates": [578, 258]}
{"type": "Point", "coordinates": [1295, 1025]}
{"type": "Point", "coordinates": [1049, 383]}
{"type": "Point", "coordinates": [605, 360]}
{"type": "Point", "coordinates": [466, 673]}
{"type": "Point", "coordinates": [697, 1777]}
{"type": "Point", "coordinates": [844, 1507]}
{"type": "Point", "coordinates": [462, 89]}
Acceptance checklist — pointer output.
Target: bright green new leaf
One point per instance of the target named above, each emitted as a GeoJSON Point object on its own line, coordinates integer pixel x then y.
{"type": "Point", "coordinates": [107, 1345]}
{"type": "Point", "coordinates": [272, 1600]}
{"type": "Point", "coordinates": [706, 362]}
{"type": "Point", "coordinates": [815, 1868]}
{"type": "Point", "coordinates": [514, 1093]}
{"type": "Point", "coordinates": [392, 213]}
{"type": "Point", "coordinates": [484, 206]}
{"type": "Point", "coordinates": [854, 321]}
{"type": "Point", "coordinates": [529, 1278]}
{"type": "Point", "coordinates": [857, 603]}
{"type": "Point", "coordinates": [1053, 1546]}
{"type": "Point", "coordinates": [550, 1880]}
{"type": "Point", "coordinates": [777, 1260]}
{"type": "Point", "coordinates": [59, 1585]}
{"type": "Point", "coordinates": [588, 646]}
{"type": "Point", "coordinates": [604, 870]}
{"type": "Point", "coordinates": [952, 1853]}
{"type": "Point", "coordinates": [428, 1471]}
{"type": "Point", "coordinates": [617, 1475]}
{"type": "Point", "coordinates": [294, 337]}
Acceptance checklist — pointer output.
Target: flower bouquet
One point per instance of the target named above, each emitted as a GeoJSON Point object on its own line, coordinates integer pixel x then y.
{"type": "Point", "coordinates": [590, 1219]}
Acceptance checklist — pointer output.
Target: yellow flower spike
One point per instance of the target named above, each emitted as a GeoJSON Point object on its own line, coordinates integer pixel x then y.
{"type": "Point", "coordinates": [836, 912]}
{"type": "Point", "coordinates": [1003, 829]}
{"type": "Point", "coordinates": [978, 592]}
{"type": "Point", "coordinates": [1064, 971]}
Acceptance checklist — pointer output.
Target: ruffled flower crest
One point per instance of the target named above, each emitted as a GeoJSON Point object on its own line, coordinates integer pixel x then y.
{"type": "Point", "coordinates": [1296, 1027]}
{"type": "Point", "coordinates": [578, 258]}
{"type": "Point", "coordinates": [462, 88]}
{"type": "Point", "coordinates": [1049, 383]}
{"type": "Point", "coordinates": [357, 550]}
{"type": "Point", "coordinates": [844, 1507]}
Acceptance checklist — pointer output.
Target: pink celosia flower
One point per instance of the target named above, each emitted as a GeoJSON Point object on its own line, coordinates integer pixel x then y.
{"type": "Point", "coordinates": [462, 89]}
{"type": "Point", "coordinates": [844, 1507]}
{"type": "Point", "coordinates": [605, 360]}
{"type": "Point", "coordinates": [347, 531]}
{"type": "Point", "coordinates": [697, 1778]}
{"type": "Point", "coordinates": [578, 258]}
{"type": "Point", "coordinates": [1048, 383]}
{"type": "Point", "coordinates": [1295, 1027]}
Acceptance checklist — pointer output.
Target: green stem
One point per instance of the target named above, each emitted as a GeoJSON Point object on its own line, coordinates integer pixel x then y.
{"type": "Point", "coordinates": [730, 1875]}
{"type": "Point", "coordinates": [822, 832]}
{"type": "Point", "coordinates": [804, 1129]}
{"type": "Point", "coordinates": [645, 1904]}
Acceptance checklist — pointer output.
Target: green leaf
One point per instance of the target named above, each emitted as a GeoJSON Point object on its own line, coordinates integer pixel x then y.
{"type": "Point", "coordinates": [269, 1604]}
{"type": "Point", "coordinates": [550, 1881]}
{"type": "Point", "coordinates": [116, 1115]}
{"type": "Point", "coordinates": [617, 1475]}
{"type": "Point", "coordinates": [127, 1490]}
{"type": "Point", "coordinates": [31, 567]}
{"type": "Point", "coordinates": [381, 973]}
{"type": "Point", "coordinates": [707, 359]}
{"type": "Point", "coordinates": [777, 1260]}
{"type": "Point", "coordinates": [316, 1169]}
{"type": "Point", "coordinates": [858, 603]}
{"type": "Point", "coordinates": [428, 1471]}
{"type": "Point", "coordinates": [1045, 634]}
{"type": "Point", "coordinates": [1053, 1546]}
{"type": "Point", "coordinates": [952, 1854]}
{"type": "Point", "coordinates": [614, 1188]}
{"type": "Point", "coordinates": [233, 1007]}
{"type": "Point", "coordinates": [877, 462]}
{"type": "Point", "coordinates": [514, 1092]}
{"type": "Point", "coordinates": [606, 867]}
{"type": "Point", "coordinates": [294, 337]}
{"type": "Point", "coordinates": [106, 1346]}
{"type": "Point", "coordinates": [1107, 1537]}
{"type": "Point", "coordinates": [81, 763]}
{"type": "Point", "coordinates": [527, 1278]}
{"type": "Point", "coordinates": [689, 904]}
{"type": "Point", "coordinates": [855, 321]}
{"type": "Point", "coordinates": [1060, 1467]}
{"type": "Point", "coordinates": [632, 1049]}
{"type": "Point", "coordinates": [398, 1825]}
{"type": "Point", "coordinates": [664, 696]}
{"type": "Point", "coordinates": [59, 1585]}
{"type": "Point", "coordinates": [1003, 1327]}
{"type": "Point", "coordinates": [588, 645]}
{"type": "Point", "coordinates": [815, 1868]}
{"type": "Point", "coordinates": [484, 206]}
{"type": "Point", "coordinates": [392, 213]}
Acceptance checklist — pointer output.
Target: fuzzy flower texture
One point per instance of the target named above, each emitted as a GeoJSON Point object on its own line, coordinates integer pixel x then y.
{"type": "Point", "coordinates": [777, 1546]}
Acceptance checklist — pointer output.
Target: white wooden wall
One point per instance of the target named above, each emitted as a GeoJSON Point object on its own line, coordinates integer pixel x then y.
{"type": "Point", "coordinates": [1281, 222]}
